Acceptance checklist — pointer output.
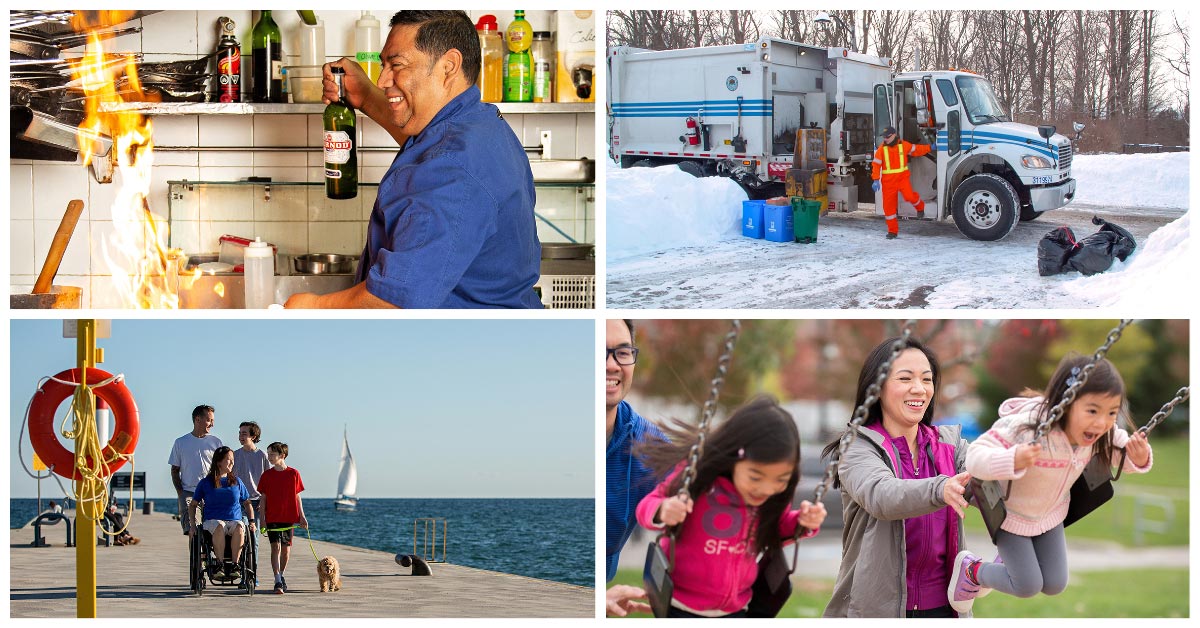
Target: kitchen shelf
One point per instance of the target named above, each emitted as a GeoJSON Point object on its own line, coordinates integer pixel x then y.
{"type": "Point", "coordinates": [217, 108]}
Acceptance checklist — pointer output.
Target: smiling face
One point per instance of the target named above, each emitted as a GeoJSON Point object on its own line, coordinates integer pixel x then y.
{"type": "Point", "coordinates": [757, 482]}
{"type": "Point", "coordinates": [416, 86]}
{"type": "Point", "coordinates": [908, 390]}
{"type": "Point", "coordinates": [202, 424]}
{"type": "Point", "coordinates": [225, 464]}
{"type": "Point", "coordinates": [617, 377]}
{"type": "Point", "coordinates": [1091, 416]}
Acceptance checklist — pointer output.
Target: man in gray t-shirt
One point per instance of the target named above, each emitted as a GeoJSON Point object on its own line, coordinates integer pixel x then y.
{"type": "Point", "coordinates": [191, 458]}
{"type": "Point", "coordinates": [249, 462]}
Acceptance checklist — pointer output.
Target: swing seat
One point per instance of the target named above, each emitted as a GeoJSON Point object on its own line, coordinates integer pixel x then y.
{"type": "Point", "coordinates": [656, 578]}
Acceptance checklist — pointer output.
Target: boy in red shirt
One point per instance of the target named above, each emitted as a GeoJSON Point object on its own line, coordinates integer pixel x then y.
{"type": "Point", "coordinates": [280, 487]}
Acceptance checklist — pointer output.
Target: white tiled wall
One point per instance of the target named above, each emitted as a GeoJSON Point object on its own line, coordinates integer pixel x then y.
{"type": "Point", "coordinates": [298, 219]}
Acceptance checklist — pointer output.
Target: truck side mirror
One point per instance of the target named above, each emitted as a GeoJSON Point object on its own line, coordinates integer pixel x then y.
{"type": "Point", "coordinates": [1046, 131]}
{"type": "Point", "coordinates": [1078, 127]}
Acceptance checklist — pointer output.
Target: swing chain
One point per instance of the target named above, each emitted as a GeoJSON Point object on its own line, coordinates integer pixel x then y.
{"type": "Point", "coordinates": [1166, 410]}
{"type": "Point", "coordinates": [860, 413]}
{"type": "Point", "coordinates": [710, 407]}
{"type": "Point", "coordinates": [1068, 397]}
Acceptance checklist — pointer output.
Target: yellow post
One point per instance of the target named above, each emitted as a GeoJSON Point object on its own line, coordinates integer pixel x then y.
{"type": "Point", "coordinates": [87, 508]}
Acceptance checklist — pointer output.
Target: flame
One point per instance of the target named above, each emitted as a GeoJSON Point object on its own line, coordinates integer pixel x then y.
{"type": "Point", "coordinates": [142, 266]}
{"type": "Point", "coordinates": [219, 288]}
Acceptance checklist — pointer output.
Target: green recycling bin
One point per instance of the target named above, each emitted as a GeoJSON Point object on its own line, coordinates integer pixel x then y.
{"type": "Point", "coordinates": [804, 218]}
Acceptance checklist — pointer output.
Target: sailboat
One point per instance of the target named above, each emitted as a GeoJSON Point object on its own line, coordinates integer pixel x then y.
{"type": "Point", "coordinates": [347, 479]}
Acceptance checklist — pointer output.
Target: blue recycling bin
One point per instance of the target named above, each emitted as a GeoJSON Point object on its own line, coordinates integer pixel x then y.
{"type": "Point", "coordinates": [752, 219]}
{"type": "Point", "coordinates": [777, 220]}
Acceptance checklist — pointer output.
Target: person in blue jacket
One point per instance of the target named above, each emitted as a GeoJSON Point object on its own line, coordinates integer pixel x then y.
{"type": "Point", "coordinates": [627, 478]}
{"type": "Point", "coordinates": [453, 222]}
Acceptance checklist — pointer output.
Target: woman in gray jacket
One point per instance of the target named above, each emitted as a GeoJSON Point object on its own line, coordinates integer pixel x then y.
{"type": "Point", "coordinates": [902, 485]}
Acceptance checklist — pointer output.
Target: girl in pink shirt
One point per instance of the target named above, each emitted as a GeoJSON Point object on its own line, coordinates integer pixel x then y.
{"type": "Point", "coordinates": [738, 506]}
{"type": "Point", "coordinates": [1032, 547]}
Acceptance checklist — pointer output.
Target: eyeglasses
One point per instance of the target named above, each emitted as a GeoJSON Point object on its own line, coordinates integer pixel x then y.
{"type": "Point", "coordinates": [625, 356]}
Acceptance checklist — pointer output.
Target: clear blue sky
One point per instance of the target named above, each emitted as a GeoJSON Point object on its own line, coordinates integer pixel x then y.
{"type": "Point", "coordinates": [446, 408]}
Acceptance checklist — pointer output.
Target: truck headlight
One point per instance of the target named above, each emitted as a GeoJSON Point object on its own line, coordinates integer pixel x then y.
{"type": "Point", "coordinates": [1036, 162]}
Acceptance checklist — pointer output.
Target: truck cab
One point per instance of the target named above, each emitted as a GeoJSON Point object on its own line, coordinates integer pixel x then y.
{"type": "Point", "coordinates": [985, 171]}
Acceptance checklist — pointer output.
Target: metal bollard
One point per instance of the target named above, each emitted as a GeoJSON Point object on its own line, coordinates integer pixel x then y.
{"type": "Point", "coordinates": [419, 566]}
{"type": "Point", "coordinates": [147, 508]}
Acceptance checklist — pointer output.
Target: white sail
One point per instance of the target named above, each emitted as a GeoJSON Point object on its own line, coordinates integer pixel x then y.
{"type": "Point", "coordinates": [347, 472]}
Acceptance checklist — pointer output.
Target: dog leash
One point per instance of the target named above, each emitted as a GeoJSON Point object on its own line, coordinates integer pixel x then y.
{"type": "Point", "coordinates": [293, 527]}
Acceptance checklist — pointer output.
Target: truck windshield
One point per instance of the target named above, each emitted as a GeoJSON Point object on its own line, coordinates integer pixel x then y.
{"type": "Point", "coordinates": [980, 101]}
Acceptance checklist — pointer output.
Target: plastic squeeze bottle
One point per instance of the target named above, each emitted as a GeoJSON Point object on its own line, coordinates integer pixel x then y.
{"type": "Point", "coordinates": [366, 45]}
{"type": "Point", "coordinates": [491, 44]}
{"type": "Point", "coordinates": [259, 275]}
{"type": "Point", "coordinates": [518, 67]}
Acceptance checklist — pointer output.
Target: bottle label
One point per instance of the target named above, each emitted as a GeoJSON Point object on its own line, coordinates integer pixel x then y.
{"type": "Point", "coordinates": [338, 145]}
{"type": "Point", "coordinates": [276, 70]}
{"type": "Point", "coordinates": [367, 57]}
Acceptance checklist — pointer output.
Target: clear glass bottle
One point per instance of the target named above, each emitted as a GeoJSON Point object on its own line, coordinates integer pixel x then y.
{"type": "Point", "coordinates": [543, 67]}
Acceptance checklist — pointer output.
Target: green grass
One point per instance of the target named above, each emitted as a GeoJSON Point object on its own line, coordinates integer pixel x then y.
{"type": "Point", "coordinates": [1118, 593]}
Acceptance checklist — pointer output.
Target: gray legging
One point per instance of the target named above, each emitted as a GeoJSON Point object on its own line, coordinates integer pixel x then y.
{"type": "Point", "coordinates": [1032, 565]}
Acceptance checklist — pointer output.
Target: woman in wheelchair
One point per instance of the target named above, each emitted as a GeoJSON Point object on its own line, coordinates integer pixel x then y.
{"type": "Point", "coordinates": [225, 498]}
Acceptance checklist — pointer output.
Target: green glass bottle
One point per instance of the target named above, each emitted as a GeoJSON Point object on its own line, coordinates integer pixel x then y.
{"type": "Point", "coordinates": [341, 156]}
{"type": "Point", "coordinates": [266, 61]}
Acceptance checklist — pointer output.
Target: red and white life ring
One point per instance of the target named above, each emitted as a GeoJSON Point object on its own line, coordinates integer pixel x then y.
{"type": "Point", "coordinates": [45, 404]}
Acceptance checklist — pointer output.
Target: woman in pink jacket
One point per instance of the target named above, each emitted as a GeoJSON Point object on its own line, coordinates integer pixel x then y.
{"type": "Point", "coordinates": [738, 506]}
{"type": "Point", "coordinates": [1033, 549]}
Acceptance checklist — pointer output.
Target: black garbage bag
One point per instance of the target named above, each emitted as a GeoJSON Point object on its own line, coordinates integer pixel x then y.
{"type": "Point", "coordinates": [1096, 252]}
{"type": "Point", "coordinates": [1054, 250]}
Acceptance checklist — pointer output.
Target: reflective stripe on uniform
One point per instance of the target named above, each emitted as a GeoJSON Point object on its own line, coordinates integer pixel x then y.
{"type": "Point", "coordinates": [889, 217]}
{"type": "Point", "coordinates": [887, 161]}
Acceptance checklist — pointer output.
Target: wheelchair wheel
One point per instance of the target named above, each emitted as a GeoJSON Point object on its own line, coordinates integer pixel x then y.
{"type": "Point", "coordinates": [197, 561]}
{"type": "Point", "coordinates": [250, 564]}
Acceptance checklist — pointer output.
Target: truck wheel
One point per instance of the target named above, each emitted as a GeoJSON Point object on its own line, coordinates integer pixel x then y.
{"type": "Point", "coordinates": [643, 163]}
{"type": "Point", "coordinates": [692, 168]}
{"type": "Point", "coordinates": [985, 207]}
{"type": "Point", "coordinates": [1028, 214]}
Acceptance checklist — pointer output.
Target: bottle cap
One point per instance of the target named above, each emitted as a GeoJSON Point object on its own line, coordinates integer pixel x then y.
{"type": "Point", "coordinates": [487, 23]}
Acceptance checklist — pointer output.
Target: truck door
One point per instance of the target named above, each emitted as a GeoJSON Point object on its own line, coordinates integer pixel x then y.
{"type": "Point", "coordinates": [883, 111]}
{"type": "Point", "coordinates": [949, 135]}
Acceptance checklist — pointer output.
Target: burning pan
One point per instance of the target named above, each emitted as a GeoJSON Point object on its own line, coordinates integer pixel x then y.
{"type": "Point", "coordinates": [59, 298]}
{"type": "Point", "coordinates": [325, 264]}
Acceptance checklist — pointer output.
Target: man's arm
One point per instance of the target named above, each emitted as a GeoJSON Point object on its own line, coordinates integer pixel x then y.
{"type": "Point", "coordinates": [355, 296]}
{"type": "Point", "coordinates": [362, 95]}
{"type": "Point", "coordinates": [176, 480]}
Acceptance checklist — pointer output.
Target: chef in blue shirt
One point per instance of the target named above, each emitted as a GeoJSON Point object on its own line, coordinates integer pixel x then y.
{"type": "Point", "coordinates": [453, 224]}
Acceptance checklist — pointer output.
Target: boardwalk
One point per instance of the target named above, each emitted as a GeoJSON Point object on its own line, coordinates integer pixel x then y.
{"type": "Point", "coordinates": [150, 580]}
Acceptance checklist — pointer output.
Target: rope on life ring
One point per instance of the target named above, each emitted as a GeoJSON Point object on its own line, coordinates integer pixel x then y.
{"type": "Point", "coordinates": [45, 442]}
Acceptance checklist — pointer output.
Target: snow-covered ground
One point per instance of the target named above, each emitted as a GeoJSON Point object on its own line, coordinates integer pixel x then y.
{"type": "Point", "coordinates": [674, 241]}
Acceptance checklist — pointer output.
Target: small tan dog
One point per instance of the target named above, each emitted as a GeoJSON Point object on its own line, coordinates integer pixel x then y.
{"type": "Point", "coordinates": [329, 572]}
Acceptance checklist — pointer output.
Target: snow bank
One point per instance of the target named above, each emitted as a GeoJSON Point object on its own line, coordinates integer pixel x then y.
{"type": "Point", "coordinates": [1158, 270]}
{"type": "Point", "coordinates": [1140, 180]}
{"type": "Point", "coordinates": [655, 209]}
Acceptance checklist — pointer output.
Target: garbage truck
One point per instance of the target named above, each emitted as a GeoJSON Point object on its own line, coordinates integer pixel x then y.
{"type": "Point", "coordinates": [735, 111]}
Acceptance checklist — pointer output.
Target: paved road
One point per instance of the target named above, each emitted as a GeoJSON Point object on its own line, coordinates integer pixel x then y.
{"type": "Point", "coordinates": [852, 266]}
{"type": "Point", "coordinates": [150, 580]}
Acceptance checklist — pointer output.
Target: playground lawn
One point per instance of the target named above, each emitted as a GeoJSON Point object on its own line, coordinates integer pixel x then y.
{"type": "Point", "coordinates": [1118, 593]}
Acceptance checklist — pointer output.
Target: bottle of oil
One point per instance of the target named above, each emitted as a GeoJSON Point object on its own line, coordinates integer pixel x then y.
{"type": "Point", "coordinates": [341, 157]}
{"type": "Point", "coordinates": [491, 75]}
{"type": "Point", "coordinates": [518, 67]}
{"type": "Point", "coordinates": [366, 44]}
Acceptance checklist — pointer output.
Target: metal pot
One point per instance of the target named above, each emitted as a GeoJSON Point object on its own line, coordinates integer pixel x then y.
{"type": "Point", "coordinates": [324, 264]}
{"type": "Point", "coordinates": [565, 250]}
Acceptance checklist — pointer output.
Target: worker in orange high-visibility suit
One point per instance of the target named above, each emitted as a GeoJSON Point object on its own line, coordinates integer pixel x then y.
{"type": "Point", "coordinates": [890, 172]}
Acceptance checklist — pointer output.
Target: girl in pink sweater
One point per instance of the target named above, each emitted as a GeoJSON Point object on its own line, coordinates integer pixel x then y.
{"type": "Point", "coordinates": [738, 506]}
{"type": "Point", "coordinates": [1032, 547]}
